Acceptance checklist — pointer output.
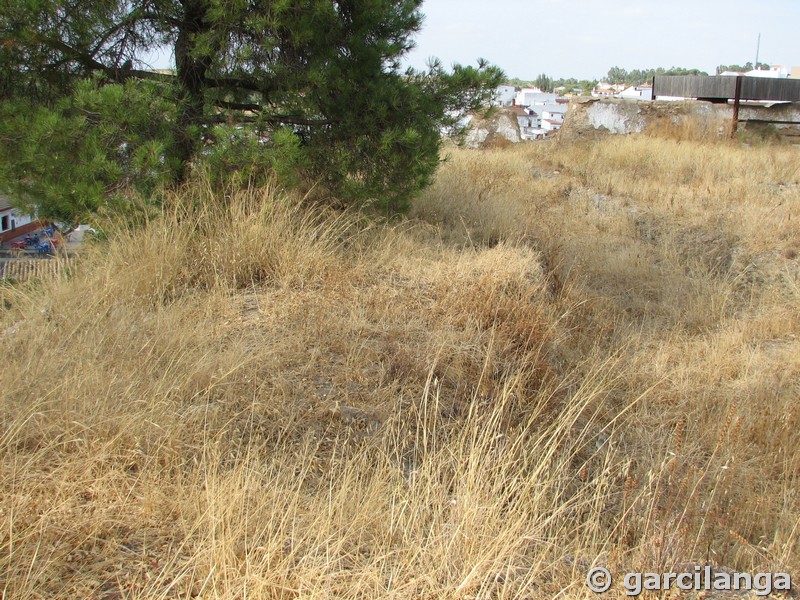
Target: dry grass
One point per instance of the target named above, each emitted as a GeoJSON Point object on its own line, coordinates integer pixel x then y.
{"type": "Point", "coordinates": [570, 354]}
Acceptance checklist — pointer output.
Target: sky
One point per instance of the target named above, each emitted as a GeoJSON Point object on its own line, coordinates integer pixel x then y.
{"type": "Point", "coordinates": [584, 38]}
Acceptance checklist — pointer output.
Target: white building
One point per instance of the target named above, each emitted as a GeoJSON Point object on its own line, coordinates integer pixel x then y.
{"type": "Point", "coordinates": [504, 95]}
{"type": "Point", "coordinates": [637, 92]}
{"type": "Point", "coordinates": [555, 110]}
{"type": "Point", "coordinates": [774, 72]}
{"type": "Point", "coordinates": [605, 89]}
{"type": "Point", "coordinates": [553, 117]}
{"type": "Point", "coordinates": [549, 125]}
{"type": "Point", "coordinates": [532, 97]}
{"type": "Point", "coordinates": [528, 122]}
{"type": "Point", "coordinates": [10, 217]}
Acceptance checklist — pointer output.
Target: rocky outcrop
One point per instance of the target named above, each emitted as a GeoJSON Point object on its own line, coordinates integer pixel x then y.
{"type": "Point", "coordinates": [498, 129]}
{"type": "Point", "coordinates": [593, 117]}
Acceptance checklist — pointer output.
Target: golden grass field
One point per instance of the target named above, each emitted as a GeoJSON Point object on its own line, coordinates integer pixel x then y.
{"type": "Point", "coordinates": [570, 354]}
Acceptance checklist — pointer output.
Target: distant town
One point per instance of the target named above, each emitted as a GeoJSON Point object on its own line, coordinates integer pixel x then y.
{"type": "Point", "coordinates": [541, 105]}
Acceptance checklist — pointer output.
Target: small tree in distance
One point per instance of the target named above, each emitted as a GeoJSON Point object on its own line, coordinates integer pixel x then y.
{"type": "Point", "coordinates": [544, 83]}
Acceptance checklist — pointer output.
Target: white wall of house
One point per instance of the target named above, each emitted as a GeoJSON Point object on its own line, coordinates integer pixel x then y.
{"type": "Point", "coordinates": [10, 217]}
{"type": "Point", "coordinates": [526, 123]}
{"type": "Point", "coordinates": [604, 89]}
{"type": "Point", "coordinates": [637, 92]}
{"type": "Point", "coordinates": [504, 95]}
{"type": "Point", "coordinates": [534, 97]}
{"type": "Point", "coordinates": [554, 111]}
{"type": "Point", "coordinates": [775, 72]}
{"type": "Point", "coordinates": [551, 124]}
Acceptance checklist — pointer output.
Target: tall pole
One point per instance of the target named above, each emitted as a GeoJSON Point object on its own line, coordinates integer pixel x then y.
{"type": "Point", "coordinates": [758, 49]}
{"type": "Point", "coordinates": [736, 100]}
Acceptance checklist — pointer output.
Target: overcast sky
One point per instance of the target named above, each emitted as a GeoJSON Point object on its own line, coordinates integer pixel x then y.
{"type": "Point", "coordinates": [584, 38]}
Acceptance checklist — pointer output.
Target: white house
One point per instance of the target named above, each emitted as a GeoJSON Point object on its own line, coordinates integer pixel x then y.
{"type": "Point", "coordinates": [528, 121]}
{"type": "Point", "coordinates": [504, 95]}
{"type": "Point", "coordinates": [637, 92]}
{"type": "Point", "coordinates": [535, 124]}
{"type": "Point", "coordinates": [12, 222]}
{"type": "Point", "coordinates": [549, 125]}
{"type": "Point", "coordinates": [10, 217]}
{"type": "Point", "coordinates": [605, 89]}
{"type": "Point", "coordinates": [532, 97]}
{"type": "Point", "coordinates": [774, 72]}
{"type": "Point", "coordinates": [553, 117]}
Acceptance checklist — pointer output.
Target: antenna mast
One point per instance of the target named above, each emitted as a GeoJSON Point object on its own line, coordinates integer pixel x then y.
{"type": "Point", "coordinates": [758, 49]}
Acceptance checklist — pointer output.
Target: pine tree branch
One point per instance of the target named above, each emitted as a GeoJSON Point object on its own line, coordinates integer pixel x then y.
{"type": "Point", "coordinates": [272, 119]}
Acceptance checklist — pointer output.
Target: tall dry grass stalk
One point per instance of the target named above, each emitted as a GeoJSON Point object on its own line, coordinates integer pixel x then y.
{"type": "Point", "coordinates": [570, 355]}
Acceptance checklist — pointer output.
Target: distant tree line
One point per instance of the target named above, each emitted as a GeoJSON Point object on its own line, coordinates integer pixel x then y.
{"type": "Point", "coordinates": [548, 84]}
{"type": "Point", "coordinates": [639, 76]}
{"type": "Point", "coordinates": [619, 75]}
{"type": "Point", "coordinates": [748, 66]}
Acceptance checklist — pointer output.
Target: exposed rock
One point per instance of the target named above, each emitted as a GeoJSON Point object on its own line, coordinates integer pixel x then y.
{"type": "Point", "coordinates": [500, 128]}
{"type": "Point", "coordinates": [593, 117]}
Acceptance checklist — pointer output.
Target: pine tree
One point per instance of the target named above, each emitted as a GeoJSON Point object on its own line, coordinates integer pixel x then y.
{"type": "Point", "coordinates": [301, 86]}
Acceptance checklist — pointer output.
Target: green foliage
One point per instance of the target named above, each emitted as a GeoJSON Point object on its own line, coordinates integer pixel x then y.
{"type": "Point", "coordinates": [614, 75]}
{"type": "Point", "coordinates": [299, 88]}
{"type": "Point", "coordinates": [639, 76]}
{"type": "Point", "coordinates": [69, 160]}
{"type": "Point", "coordinates": [570, 84]}
{"type": "Point", "coordinates": [544, 83]}
{"type": "Point", "coordinates": [748, 66]}
{"type": "Point", "coordinates": [241, 154]}
{"type": "Point", "coordinates": [617, 75]}
{"type": "Point", "coordinates": [584, 86]}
